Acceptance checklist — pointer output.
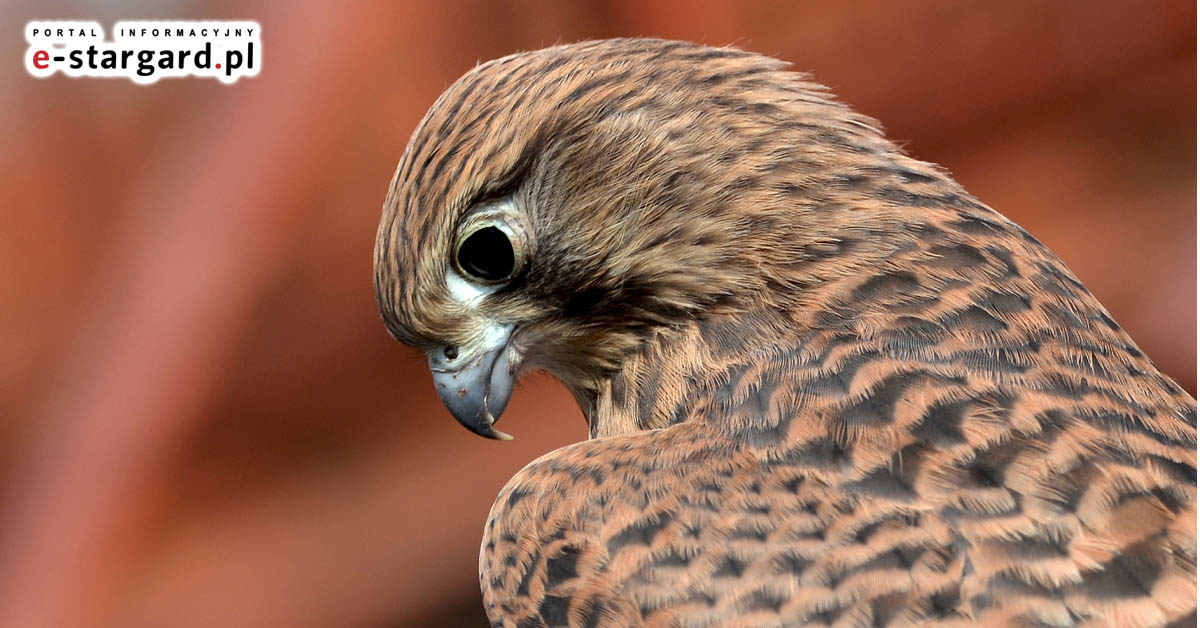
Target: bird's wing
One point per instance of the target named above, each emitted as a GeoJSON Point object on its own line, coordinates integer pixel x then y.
{"type": "Point", "coordinates": [970, 507]}
{"type": "Point", "coordinates": [680, 528]}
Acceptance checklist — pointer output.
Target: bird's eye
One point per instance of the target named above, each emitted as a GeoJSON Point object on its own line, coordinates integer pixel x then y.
{"type": "Point", "coordinates": [487, 254]}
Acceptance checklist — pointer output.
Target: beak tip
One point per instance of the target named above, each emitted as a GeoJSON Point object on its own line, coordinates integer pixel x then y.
{"type": "Point", "coordinates": [498, 435]}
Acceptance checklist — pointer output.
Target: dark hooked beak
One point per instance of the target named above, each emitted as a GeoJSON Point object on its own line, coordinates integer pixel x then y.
{"type": "Point", "coordinates": [475, 382]}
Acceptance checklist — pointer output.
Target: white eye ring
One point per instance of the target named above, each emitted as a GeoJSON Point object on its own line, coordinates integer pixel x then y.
{"type": "Point", "coordinates": [492, 244]}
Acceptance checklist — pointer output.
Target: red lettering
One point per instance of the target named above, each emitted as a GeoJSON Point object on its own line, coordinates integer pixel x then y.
{"type": "Point", "coordinates": [40, 58]}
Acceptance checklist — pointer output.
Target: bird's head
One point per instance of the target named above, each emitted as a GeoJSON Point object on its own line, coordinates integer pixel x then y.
{"type": "Point", "coordinates": [560, 208]}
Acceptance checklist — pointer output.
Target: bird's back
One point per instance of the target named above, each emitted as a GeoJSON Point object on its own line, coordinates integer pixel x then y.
{"type": "Point", "coordinates": [963, 436]}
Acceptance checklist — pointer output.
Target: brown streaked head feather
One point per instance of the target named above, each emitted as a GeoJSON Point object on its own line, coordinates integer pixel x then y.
{"type": "Point", "coordinates": [825, 384]}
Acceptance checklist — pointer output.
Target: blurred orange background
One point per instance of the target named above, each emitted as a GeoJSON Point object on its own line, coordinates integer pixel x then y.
{"type": "Point", "coordinates": [202, 419]}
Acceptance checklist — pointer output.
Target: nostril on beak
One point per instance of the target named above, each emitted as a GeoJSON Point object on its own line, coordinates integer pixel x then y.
{"type": "Point", "coordinates": [450, 352]}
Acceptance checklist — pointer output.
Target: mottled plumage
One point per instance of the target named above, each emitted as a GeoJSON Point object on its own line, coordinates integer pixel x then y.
{"type": "Point", "coordinates": [825, 385]}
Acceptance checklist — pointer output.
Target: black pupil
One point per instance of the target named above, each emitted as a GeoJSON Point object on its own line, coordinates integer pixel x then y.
{"type": "Point", "coordinates": [487, 254]}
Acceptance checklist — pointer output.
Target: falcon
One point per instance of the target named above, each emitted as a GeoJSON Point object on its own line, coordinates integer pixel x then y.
{"type": "Point", "coordinates": [824, 385]}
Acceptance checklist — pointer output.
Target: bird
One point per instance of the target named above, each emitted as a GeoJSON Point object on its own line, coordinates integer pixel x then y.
{"type": "Point", "coordinates": [824, 385]}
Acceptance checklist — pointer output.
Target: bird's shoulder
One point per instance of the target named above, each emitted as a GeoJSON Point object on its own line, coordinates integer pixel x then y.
{"type": "Point", "coordinates": [561, 537]}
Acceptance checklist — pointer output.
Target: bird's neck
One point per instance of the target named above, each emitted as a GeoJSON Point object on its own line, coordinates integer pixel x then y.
{"type": "Point", "coordinates": [971, 298]}
{"type": "Point", "coordinates": [678, 374]}
{"type": "Point", "coordinates": [681, 373]}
